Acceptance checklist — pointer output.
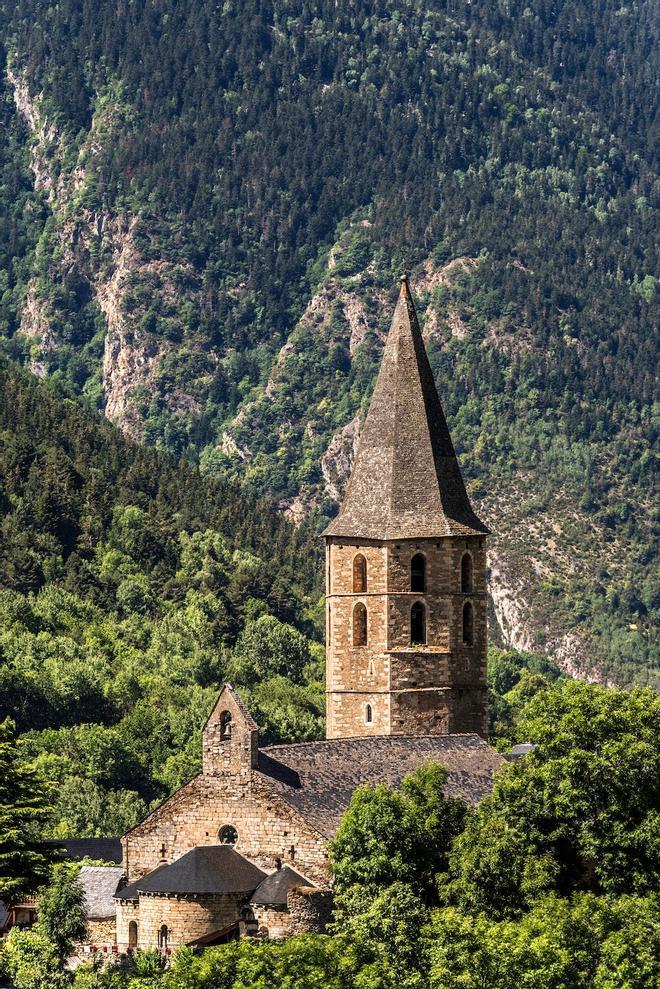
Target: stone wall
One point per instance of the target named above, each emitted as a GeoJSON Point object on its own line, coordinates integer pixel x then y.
{"type": "Point", "coordinates": [273, 922]}
{"type": "Point", "coordinates": [186, 918]}
{"type": "Point", "coordinates": [308, 911]}
{"type": "Point", "coordinates": [268, 828]}
{"type": "Point", "coordinates": [100, 932]}
{"type": "Point", "coordinates": [409, 689]}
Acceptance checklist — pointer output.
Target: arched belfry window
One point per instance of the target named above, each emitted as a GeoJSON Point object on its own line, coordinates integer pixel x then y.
{"type": "Point", "coordinates": [359, 575]}
{"type": "Point", "coordinates": [466, 573]}
{"type": "Point", "coordinates": [359, 625]}
{"type": "Point", "coordinates": [468, 624]}
{"type": "Point", "coordinates": [417, 624]}
{"type": "Point", "coordinates": [225, 725]}
{"type": "Point", "coordinates": [368, 715]}
{"type": "Point", "coordinates": [418, 573]}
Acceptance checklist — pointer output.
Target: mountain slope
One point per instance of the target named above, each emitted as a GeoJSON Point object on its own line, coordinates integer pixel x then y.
{"type": "Point", "coordinates": [130, 590]}
{"type": "Point", "coordinates": [230, 195]}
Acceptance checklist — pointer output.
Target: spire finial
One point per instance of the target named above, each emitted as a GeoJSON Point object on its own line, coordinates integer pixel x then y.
{"type": "Point", "coordinates": [404, 283]}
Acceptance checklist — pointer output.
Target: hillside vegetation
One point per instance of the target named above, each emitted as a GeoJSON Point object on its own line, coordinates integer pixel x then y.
{"type": "Point", "coordinates": [207, 207]}
{"type": "Point", "coordinates": [130, 589]}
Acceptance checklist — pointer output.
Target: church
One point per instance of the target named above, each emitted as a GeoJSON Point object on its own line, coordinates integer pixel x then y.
{"type": "Point", "coordinates": [241, 849]}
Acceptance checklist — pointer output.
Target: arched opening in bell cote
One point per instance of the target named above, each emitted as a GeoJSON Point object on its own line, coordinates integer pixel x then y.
{"type": "Point", "coordinates": [225, 725]}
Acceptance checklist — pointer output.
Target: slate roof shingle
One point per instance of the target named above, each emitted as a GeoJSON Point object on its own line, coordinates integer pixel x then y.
{"type": "Point", "coordinates": [205, 869]}
{"type": "Point", "coordinates": [100, 885]}
{"type": "Point", "coordinates": [273, 890]}
{"type": "Point", "coordinates": [319, 778]}
{"type": "Point", "coordinates": [406, 482]}
{"type": "Point", "coordinates": [104, 849]}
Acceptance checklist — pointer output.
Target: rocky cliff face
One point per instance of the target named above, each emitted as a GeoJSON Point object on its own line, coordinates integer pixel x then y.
{"type": "Point", "coordinates": [100, 249]}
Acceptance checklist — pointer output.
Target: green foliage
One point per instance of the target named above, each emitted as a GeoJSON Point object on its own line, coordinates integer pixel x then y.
{"type": "Point", "coordinates": [33, 961]}
{"type": "Point", "coordinates": [130, 589]}
{"type": "Point", "coordinates": [588, 941]}
{"type": "Point", "coordinates": [24, 813]}
{"type": "Point", "coordinates": [61, 915]}
{"type": "Point", "coordinates": [388, 836]}
{"type": "Point", "coordinates": [513, 679]}
{"type": "Point", "coordinates": [581, 812]}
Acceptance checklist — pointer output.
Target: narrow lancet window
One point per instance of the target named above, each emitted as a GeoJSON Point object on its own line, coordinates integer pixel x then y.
{"type": "Point", "coordinates": [466, 573]}
{"type": "Point", "coordinates": [418, 574]}
{"type": "Point", "coordinates": [368, 715]}
{"type": "Point", "coordinates": [418, 624]}
{"type": "Point", "coordinates": [359, 575]}
{"type": "Point", "coordinates": [468, 624]}
{"type": "Point", "coordinates": [359, 625]}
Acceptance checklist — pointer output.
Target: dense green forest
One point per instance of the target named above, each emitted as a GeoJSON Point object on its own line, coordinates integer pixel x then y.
{"type": "Point", "coordinates": [130, 590]}
{"type": "Point", "coordinates": [184, 182]}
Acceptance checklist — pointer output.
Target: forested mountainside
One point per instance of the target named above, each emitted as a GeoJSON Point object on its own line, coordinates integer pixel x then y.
{"type": "Point", "coordinates": [130, 589]}
{"type": "Point", "coordinates": [207, 206]}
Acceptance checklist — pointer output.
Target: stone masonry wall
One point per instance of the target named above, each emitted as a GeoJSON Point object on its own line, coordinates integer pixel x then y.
{"type": "Point", "coordinates": [435, 688]}
{"type": "Point", "coordinates": [268, 828]}
{"type": "Point", "coordinates": [100, 932]}
{"type": "Point", "coordinates": [363, 670]}
{"type": "Point", "coordinates": [186, 918]}
{"type": "Point", "coordinates": [308, 911]}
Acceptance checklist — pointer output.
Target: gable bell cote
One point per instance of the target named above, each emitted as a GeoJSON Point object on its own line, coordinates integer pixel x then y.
{"type": "Point", "coordinates": [230, 739]}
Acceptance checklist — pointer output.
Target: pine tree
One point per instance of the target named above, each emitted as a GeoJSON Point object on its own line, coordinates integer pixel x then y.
{"type": "Point", "coordinates": [24, 811]}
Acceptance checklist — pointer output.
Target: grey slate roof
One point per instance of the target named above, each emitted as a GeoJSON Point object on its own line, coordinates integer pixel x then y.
{"type": "Point", "coordinates": [319, 778]}
{"type": "Point", "coordinates": [406, 482]}
{"type": "Point", "coordinates": [205, 869]}
{"type": "Point", "coordinates": [273, 890]}
{"type": "Point", "coordinates": [105, 849]}
{"type": "Point", "coordinates": [100, 885]}
{"type": "Point", "coordinates": [520, 750]}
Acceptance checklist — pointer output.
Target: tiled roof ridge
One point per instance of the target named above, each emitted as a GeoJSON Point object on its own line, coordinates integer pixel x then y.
{"type": "Point", "coordinates": [392, 739]}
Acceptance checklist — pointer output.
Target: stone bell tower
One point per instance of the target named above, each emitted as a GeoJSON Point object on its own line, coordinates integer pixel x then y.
{"type": "Point", "coordinates": [405, 566]}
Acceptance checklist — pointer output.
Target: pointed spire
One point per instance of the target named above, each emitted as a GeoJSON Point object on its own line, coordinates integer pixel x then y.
{"type": "Point", "coordinates": [406, 482]}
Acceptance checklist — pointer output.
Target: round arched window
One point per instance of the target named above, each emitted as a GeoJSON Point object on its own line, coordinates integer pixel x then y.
{"type": "Point", "coordinates": [466, 573]}
{"type": "Point", "coordinates": [418, 573]}
{"type": "Point", "coordinates": [359, 575]}
{"type": "Point", "coordinates": [359, 625]}
{"type": "Point", "coordinates": [228, 835]}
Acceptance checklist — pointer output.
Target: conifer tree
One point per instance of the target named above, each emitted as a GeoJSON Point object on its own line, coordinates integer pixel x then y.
{"type": "Point", "coordinates": [24, 812]}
